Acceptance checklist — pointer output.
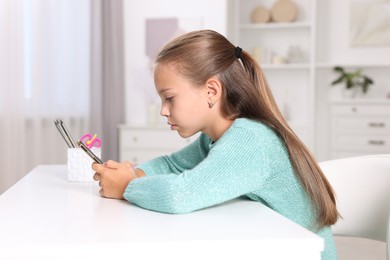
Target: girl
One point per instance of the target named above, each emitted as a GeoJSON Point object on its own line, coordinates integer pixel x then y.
{"type": "Point", "coordinates": [246, 148]}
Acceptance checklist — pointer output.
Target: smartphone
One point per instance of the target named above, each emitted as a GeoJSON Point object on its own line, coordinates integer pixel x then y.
{"type": "Point", "coordinates": [89, 152]}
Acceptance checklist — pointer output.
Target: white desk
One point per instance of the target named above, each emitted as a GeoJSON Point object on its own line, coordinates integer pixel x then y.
{"type": "Point", "coordinates": [44, 216]}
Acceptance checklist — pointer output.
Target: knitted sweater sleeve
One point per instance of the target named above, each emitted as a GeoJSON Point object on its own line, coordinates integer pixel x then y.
{"type": "Point", "coordinates": [184, 159]}
{"type": "Point", "coordinates": [234, 166]}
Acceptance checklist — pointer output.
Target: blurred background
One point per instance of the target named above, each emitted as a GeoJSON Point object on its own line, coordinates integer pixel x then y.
{"type": "Point", "coordinates": [89, 63]}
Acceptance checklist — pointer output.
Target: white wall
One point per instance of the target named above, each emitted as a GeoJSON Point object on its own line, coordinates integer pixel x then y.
{"type": "Point", "coordinates": [333, 18]}
{"type": "Point", "coordinates": [139, 85]}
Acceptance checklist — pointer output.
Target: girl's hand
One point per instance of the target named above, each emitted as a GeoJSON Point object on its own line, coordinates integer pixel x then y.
{"type": "Point", "coordinates": [113, 178]}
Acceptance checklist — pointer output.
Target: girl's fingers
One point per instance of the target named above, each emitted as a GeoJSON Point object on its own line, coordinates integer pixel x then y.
{"type": "Point", "coordinates": [96, 176]}
{"type": "Point", "coordinates": [127, 164]}
{"type": "Point", "coordinates": [112, 164]}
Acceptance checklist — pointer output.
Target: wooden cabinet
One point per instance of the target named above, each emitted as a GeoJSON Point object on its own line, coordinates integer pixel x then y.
{"type": "Point", "coordinates": [360, 128]}
{"type": "Point", "coordinates": [139, 144]}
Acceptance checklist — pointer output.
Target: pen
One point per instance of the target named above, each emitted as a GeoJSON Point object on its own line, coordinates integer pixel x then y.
{"type": "Point", "coordinates": [60, 129]}
{"type": "Point", "coordinates": [67, 133]}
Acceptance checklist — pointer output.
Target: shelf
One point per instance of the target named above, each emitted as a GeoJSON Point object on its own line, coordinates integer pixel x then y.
{"type": "Point", "coordinates": [366, 101]}
{"type": "Point", "coordinates": [285, 66]}
{"type": "Point", "coordinates": [350, 65]}
{"type": "Point", "coordinates": [250, 26]}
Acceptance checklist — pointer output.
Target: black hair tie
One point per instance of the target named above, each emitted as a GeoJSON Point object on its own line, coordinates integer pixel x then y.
{"type": "Point", "coordinates": [238, 52]}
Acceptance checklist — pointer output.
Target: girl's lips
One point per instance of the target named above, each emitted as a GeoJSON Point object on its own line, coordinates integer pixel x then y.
{"type": "Point", "coordinates": [173, 126]}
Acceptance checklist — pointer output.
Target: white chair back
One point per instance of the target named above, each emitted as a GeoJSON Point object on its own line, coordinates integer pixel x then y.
{"type": "Point", "coordinates": [362, 187]}
{"type": "Point", "coordinates": [388, 238]}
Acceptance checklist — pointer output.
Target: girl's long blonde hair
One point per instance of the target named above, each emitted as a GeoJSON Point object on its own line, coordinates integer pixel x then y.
{"type": "Point", "coordinates": [199, 55]}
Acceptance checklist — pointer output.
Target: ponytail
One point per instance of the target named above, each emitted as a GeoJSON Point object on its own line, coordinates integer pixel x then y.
{"type": "Point", "coordinates": [306, 168]}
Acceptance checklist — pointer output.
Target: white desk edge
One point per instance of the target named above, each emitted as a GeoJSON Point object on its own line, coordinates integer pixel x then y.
{"type": "Point", "coordinates": [44, 216]}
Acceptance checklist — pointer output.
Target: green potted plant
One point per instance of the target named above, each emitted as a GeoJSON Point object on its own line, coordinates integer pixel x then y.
{"type": "Point", "coordinates": [354, 80]}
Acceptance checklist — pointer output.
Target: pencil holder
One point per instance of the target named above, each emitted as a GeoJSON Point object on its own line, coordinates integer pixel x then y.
{"type": "Point", "coordinates": [80, 164]}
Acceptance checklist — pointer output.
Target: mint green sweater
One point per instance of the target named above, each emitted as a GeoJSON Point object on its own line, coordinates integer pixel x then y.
{"type": "Point", "coordinates": [249, 159]}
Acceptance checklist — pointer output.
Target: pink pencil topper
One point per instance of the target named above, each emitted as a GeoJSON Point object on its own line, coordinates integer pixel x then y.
{"type": "Point", "coordinates": [91, 141]}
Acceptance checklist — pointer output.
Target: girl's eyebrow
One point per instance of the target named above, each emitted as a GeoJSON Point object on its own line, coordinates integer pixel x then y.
{"type": "Point", "coordinates": [162, 91]}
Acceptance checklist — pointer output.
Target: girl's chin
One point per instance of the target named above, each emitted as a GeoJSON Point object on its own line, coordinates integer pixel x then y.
{"type": "Point", "coordinates": [183, 134]}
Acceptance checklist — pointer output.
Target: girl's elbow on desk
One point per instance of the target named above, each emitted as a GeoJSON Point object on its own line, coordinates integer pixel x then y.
{"type": "Point", "coordinates": [168, 203]}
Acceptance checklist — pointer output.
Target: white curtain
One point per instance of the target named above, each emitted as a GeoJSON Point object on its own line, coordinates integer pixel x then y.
{"type": "Point", "coordinates": [44, 74]}
{"type": "Point", "coordinates": [107, 77]}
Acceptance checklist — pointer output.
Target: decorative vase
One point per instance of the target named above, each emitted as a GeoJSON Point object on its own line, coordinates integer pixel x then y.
{"type": "Point", "coordinates": [284, 11]}
{"type": "Point", "coordinates": [260, 15]}
{"type": "Point", "coordinates": [352, 93]}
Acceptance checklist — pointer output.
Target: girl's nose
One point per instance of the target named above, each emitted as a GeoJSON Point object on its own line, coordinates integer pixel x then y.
{"type": "Point", "coordinates": [164, 111]}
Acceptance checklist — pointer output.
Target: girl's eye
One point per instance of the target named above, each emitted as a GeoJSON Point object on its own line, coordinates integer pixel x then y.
{"type": "Point", "coordinates": [169, 99]}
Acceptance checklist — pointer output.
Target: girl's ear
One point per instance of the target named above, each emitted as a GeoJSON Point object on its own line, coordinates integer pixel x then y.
{"type": "Point", "coordinates": [214, 89]}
